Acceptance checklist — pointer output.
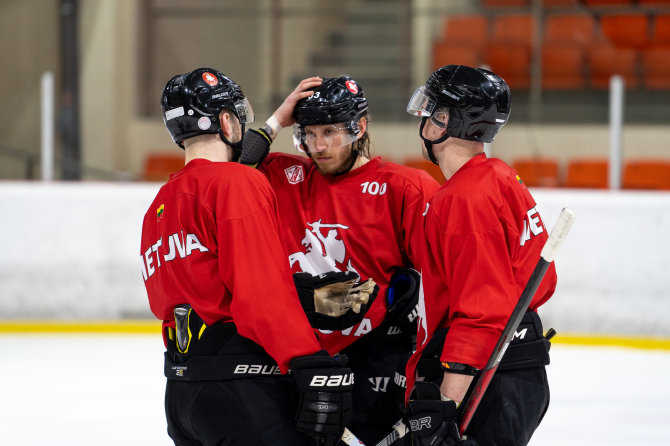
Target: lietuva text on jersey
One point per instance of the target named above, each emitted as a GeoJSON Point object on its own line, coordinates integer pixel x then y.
{"type": "Point", "coordinates": [178, 247]}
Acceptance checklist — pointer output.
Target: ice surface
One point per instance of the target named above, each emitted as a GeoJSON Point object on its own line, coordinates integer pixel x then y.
{"type": "Point", "coordinates": [107, 390]}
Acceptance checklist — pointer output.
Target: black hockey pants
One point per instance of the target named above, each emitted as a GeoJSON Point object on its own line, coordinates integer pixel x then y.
{"type": "Point", "coordinates": [518, 396]}
{"type": "Point", "coordinates": [378, 363]}
{"type": "Point", "coordinates": [230, 393]}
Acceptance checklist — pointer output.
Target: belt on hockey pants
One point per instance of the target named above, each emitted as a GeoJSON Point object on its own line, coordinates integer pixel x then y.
{"type": "Point", "coordinates": [220, 368]}
{"type": "Point", "coordinates": [529, 348]}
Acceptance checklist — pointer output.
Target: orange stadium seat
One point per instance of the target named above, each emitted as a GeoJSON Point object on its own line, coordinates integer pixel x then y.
{"type": "Point", "coordinates": [471, 29]}
{"type": "Point", "coordinates": [626, 30]}
{"type": "Point", "coordinates": [422, 164]}
{"type": "Point", "coordinates": [537, 172]}
{"type": "Point", "coordinates": [660, 34]}
{"type": "Point", "coordinates": [159, 165]}
{"type": "Point", "coordinates": [513, 28]}
{"type": "Point", "coordinates": [656, 68]}
{"type": "Point", "coordinates": [562, 67]}
{"type": "Point", "coordinates": [508, 52]}
{"type": "Point", "coordinates": [464, 38]}
{"type": "Point", "coordinates": [587, 173]}
{"type": "Point", "coordinates": [559, 3]}
{"type": "Point", "coordinates": [573, 29]}
{"type": "Point", "coordinates": [646, 174]}
{"type": "Point", "coordinates": [604, 60]}
{"type": "Point", "coordinates": [591, 3]}
{"type": "Point", "coordinates": [504, 3]}
{"type": "Point", "coordinates": [511, 62]}
{"type": "Point", "coordinates": [446, 53]}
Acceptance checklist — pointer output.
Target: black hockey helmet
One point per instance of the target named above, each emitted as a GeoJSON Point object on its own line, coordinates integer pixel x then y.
{"type": "Point", "coordinates": [338, 100]}
{"type": "Point", "coordinates": [477, 101]}
{"type": "Point", "coordinates": [191, 104]}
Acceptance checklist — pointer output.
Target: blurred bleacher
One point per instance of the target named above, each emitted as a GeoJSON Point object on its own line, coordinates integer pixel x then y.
{"type": "Point", "coordinates": [581, 44]}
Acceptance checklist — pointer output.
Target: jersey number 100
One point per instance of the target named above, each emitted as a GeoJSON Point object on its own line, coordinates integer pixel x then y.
{"type": "Point", "coordinates": [373, 188]}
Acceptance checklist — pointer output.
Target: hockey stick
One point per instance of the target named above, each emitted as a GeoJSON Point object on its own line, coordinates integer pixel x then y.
{"type": "Point", "coordinates": [478, 387]}
{"type": "Point", "coordinates": [469, 406]}
{"type": "Point", "coordinates": [399, 431]}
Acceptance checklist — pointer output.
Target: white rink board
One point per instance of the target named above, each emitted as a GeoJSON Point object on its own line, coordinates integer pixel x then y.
{"type": "Point", "coordinates": [71, 251]}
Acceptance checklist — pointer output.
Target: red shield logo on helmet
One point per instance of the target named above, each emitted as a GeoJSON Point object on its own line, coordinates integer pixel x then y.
{"type": "Point", "coordinates": [294, 174]}
{"type": "Point", "coordinates": [210, 78]}
{"type": "Point", "coordinates": [351, 86]}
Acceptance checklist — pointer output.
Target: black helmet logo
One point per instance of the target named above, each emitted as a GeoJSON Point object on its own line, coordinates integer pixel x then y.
{"type": "Point", "coordinates": [351, 86]}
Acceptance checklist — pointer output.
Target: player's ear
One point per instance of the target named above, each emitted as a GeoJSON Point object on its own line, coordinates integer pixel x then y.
{"type": "Point", "coordinates": [226, 124]}
{"type": "Point", "coordinates": [362, 126]}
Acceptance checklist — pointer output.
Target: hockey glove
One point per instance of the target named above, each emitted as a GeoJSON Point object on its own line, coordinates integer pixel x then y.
{"type": "Point", "coordinates": [324, 391]}
{"type": "Point", "coordinates": [255, 147]}
{"type": "Point", "coordinates": [334, 300]}
{"type": "Point", "coordinates": [434, 422]}
{"type": "Point", "coordinates": [402, 299]}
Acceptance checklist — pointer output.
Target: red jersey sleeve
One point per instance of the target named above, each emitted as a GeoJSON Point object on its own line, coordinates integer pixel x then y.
{"type": "Point", "coordinates": [265, 306]}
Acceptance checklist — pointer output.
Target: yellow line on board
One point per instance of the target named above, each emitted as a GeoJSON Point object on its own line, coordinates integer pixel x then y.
{"type": "Point", "coordinates": [641, 342]}
{"type": "Point", "coordinates": [129, 327]}
{"type": "Point", "coordinates": [154, 327]}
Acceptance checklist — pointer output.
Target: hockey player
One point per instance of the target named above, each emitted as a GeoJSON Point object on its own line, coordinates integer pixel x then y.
{"type": "Point", "coordinates": [483, 237]}
{"type": "Point", "coordinates": [215, 274]}
{"type": "Point", "coordinates": [343, 210]}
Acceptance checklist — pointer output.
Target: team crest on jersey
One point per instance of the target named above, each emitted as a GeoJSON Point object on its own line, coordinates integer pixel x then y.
{"type": "Point", "coordinates": [323, 249]}
{"type": "Point", "coordinates": [295, 174]}
{"type": "Point", "coordinates": [160, 211]}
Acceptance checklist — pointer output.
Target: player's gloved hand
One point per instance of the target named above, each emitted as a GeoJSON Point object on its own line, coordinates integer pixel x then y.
{"type": "Point", "coordinates": [434, 422]}
{"type": "Point", "coordinates": [334, 300]}
{"type": "Point", "coordinates": [402, 299]}
{"type": "Point", "coordinates": [324, 387]}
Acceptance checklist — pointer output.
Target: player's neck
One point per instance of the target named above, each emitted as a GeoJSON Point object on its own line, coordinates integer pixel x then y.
{"type": "Point", "coordinates": [212, 149]}
{"type": "Point", "coordinates": [455, 153]}
{"type": "Point", "coordinates": [360, 161]}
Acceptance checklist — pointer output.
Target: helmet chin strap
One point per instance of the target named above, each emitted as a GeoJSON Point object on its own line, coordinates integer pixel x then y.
{"type": "Point", "coordinates": [354, 157]}
{"type": "Point", "coordinates": [237, 146]}
{"type": "Point", "coordinates": [428, 143]}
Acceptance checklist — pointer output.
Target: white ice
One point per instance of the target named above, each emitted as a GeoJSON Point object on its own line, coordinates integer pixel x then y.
{"type": "Point", "coordinates": [107, 390]}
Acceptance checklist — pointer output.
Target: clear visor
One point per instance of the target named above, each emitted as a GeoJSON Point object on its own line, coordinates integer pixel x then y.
{"type": "Point", "coordinates": [324, 137]}
{"type": "Point", "coordinates": [420, 104]}
{"type": "Point", "coordinates": [244, 111]}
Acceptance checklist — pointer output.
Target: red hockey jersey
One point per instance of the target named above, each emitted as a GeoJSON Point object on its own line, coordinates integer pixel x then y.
{"type": "Point", "coordinates": [210, 239]}
{"type": "Point", "coordinates": [368, 220]}
{"type": "Point", "coordinates": [483, 239]}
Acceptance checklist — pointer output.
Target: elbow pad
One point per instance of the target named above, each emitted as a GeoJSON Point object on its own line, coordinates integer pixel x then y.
{"type": "Point", "coordinates": [255, 147]}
